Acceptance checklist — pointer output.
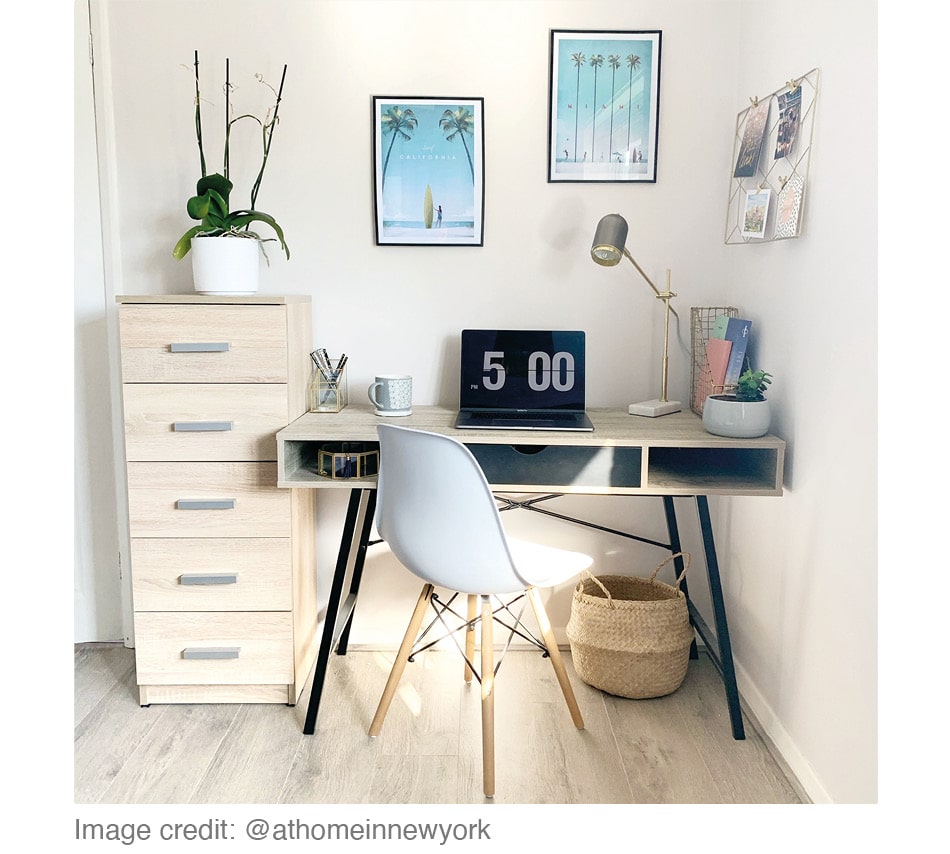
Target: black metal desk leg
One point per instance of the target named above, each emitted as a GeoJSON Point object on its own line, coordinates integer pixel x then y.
{"type": "Point", "coordinates": [673, 531]}
{"type": "Point", "coordinates": [362, 546]}
{"type": "Point", "coordinates": [333, 607]}
{"type": "Point", "coordinates": [726, 664]}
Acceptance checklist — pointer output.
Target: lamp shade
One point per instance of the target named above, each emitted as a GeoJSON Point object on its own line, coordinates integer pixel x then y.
{"type": "Point", "coordinates": [609, 240]}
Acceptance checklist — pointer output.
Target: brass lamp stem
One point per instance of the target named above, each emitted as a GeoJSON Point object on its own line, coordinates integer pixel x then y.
{"type": "Point", "coordinates": [666, 296]}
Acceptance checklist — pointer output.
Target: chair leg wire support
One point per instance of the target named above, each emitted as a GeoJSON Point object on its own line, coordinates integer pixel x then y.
{"type": "Point", "coordinates": [441, 608]}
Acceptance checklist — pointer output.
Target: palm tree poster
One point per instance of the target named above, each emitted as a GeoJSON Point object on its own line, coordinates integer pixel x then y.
{"type": "Point", "coordinates": [429, 170]}
{"type": "Point", "coordinates": [604, 105]}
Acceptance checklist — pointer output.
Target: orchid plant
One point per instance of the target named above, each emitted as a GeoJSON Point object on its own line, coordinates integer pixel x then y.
{"type": "Point", "coordinates": [211, 202]}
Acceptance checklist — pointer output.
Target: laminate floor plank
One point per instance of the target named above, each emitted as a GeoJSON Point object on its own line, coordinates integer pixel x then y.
{"type": "Point", "coordinates": [168, 766]}
{"type": "Point", "coordinates": [675, 749]}
{"type": "Point", "coordinates": [662, 766]}
{"type": "Point", "coordinates": [107, 736]}
{"type": "Point", "coordinates": [257, 772]}
{"type": "Point", "coordinates": [97, 670]}
{"type": "Point", "coordinates": [744, 771]}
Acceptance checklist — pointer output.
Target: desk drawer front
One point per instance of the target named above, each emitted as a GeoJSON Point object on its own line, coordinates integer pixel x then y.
{"type": "Point", "coordinates": [229, 421]}
{"type": "Point", "coordinates": [206, 648]}
{"type": "Point", "coordinates": [201, 343]}
{"type": "Point", "coordinates": [207, 500]}
{"type": "Point", "coordinates": [251, 574]}
{"type": "Point", "coordinates": [574, 467]}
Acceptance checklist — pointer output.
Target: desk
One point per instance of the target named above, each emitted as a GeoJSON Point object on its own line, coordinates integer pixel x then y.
{"type": "Point", "coordinates": [668, 457]}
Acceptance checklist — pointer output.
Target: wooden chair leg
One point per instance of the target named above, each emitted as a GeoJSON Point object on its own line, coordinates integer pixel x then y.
{"type": "Point", "coordinates": [402, 657]}
{"type": "Point", "coordinates": [554, 654]}
{"type": "Point", "coordinates": [470, 635]}
{"type": "Point", "coordinates": [488, 700]}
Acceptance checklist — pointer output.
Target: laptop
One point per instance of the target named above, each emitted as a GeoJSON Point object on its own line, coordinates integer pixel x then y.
{"type": "Point", "coordinates": [522, 380]}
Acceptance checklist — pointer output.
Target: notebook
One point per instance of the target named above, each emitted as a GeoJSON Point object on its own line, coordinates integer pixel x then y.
{"type": "Point", "coordinates": [522, 380]}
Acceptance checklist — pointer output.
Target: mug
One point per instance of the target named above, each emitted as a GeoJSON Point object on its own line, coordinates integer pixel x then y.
{"type": "Point", "coordinates": [391, 394]}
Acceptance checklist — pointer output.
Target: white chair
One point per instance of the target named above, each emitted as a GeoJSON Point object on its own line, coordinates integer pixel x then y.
{"type": "Point", "coordinates": [437, 513]}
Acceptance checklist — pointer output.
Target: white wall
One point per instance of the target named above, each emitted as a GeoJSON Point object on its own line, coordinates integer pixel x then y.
{"type": "Point", "coordinates": [809, 678]}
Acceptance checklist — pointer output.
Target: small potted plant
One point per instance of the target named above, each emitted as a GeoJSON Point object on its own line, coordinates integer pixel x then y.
{"type": "Point", "coordinates": [745, 413]}
{"type": "Point", "coordinates": [225, 252]}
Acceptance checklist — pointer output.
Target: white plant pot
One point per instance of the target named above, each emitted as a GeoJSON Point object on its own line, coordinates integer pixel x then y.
{"type": "Point", "coordinates": [723, 415]}
{"type": "Point", "coordinates": [229, 266]}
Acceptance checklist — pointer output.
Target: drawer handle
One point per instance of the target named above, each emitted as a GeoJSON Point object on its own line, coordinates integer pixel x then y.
{"type": "Point", "coordinates": [203, 578]}
{"type": "Point", "coordinates": [205, 503]}
{"type": "Point", "coordinates": [202, 426]}
{"type": "Point", "coordinates": [209, 653]}
{"type": "Point", "coordinates": [201, 347]}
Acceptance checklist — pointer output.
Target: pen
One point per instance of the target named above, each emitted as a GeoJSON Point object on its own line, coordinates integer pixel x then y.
{"type": "Point", "coordinates": [339, 367]}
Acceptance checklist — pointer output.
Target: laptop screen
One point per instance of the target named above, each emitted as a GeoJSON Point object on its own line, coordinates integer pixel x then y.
{"type": "Point", "coordinates": [528, 370]}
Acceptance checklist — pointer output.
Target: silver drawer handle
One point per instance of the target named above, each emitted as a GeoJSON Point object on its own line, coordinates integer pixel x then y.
{"type": "Point", "coordinates": [202, 426]}
{"type": "Point", "coordinates": [201, 347]}
{"type": "Point", "coordinates": [202, 578]}
{"type": "Point", "coordinates": [205, 504]}
{"type": "Point", "coordinates": [206, 653]}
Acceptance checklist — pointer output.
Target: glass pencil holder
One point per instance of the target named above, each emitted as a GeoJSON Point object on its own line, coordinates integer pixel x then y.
{"type": "Point", "coordinates": [327, 391]}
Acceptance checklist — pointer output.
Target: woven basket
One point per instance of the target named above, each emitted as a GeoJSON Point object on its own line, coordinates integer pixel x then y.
{"type": "Point", "coordinates": [631, 636]}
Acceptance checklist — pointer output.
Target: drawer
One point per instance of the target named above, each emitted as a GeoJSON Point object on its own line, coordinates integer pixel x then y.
{"type": "Point", "coordinates": [204, 648]}
{"type": "Point", "coordinates": [252, 574]}
{"type": "Point", "coordinates": [200, 421]}
{"type": "Point", "coordinates": [203, 343]}
{"type": "Point", "coordinates": [207, 500]}
{"type": "Point", "coordinates": [584, 468]}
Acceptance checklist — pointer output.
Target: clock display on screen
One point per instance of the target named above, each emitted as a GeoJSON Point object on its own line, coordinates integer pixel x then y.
{"type": "Point", "coordinates": [522, 369]}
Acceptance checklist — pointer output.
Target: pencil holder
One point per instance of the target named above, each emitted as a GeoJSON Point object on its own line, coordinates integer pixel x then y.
{"type": "Point", "coordinates": [327, 390]}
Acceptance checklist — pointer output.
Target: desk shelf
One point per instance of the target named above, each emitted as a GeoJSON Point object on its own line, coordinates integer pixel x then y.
{"type": "Point", "coordinates": [712, 471]}
{"type": "Point", "coordinates": [624, 455]}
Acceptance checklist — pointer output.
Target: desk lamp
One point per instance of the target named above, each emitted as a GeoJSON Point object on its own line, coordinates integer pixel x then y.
{"type": "Point", "coordinates": [607, 249]}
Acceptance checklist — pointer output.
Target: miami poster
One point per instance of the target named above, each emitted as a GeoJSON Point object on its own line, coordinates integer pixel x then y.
{"type": "Point", "coordinates": [604, 106]}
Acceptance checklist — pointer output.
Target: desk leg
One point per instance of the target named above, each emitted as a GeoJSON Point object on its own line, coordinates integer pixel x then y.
{"type": "Point", "coordinates": [725, 662]}
{"type": "Point", "coordinates": [673, 531]}
{"type": "Point", "coordinates": [333, 609]}
{"type": "Point", "coordinates": [362, 546]}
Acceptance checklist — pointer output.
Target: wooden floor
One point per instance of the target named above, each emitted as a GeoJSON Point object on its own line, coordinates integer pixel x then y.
{"type": "Point", "coordinates": [675, 749]}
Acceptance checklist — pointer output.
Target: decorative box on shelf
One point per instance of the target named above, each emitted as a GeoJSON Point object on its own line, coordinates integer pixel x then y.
{"type": "Point", "coordinates": [345, 460]}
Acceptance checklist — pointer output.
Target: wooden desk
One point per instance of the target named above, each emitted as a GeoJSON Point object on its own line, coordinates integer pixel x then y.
{"type": "Point", "coordinates": [624, 455]}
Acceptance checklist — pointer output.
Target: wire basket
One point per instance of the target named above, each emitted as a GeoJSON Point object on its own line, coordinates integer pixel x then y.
{"type": "Point", "coordinates": [702, 320]}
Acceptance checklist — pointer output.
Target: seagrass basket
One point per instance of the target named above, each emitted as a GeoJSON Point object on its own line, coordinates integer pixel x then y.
{"type": "Point", "coordinates": [631, 636]}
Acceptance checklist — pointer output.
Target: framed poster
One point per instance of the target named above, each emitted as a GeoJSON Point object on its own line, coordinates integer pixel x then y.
{"type": "Point", "coordinates": [428, 168]}
{"type": "Point", "coordinates": [603, 105]}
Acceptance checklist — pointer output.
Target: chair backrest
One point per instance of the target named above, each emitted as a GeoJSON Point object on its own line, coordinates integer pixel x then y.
{"type": "Point", "coordinates": [437, 513]}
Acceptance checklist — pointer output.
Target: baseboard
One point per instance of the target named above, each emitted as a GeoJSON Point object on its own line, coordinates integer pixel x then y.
{"type": "Point", "coordinates": [779, 743]}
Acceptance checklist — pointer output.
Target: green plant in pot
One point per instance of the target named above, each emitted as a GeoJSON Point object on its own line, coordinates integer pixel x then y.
{"type": "Point", "coordinates": [225, 251]}
{"type": "Point", "coordinates": [752, 385]}
{"type": "Point", "coordinates": [743, 414]}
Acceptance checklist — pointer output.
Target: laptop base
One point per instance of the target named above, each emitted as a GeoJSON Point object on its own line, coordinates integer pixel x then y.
{"type": "Point", "coordinates": [492, 421]}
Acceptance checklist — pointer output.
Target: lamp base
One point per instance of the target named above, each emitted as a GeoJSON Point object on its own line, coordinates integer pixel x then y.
{"type": "Point", "coordinates": [654, 408]}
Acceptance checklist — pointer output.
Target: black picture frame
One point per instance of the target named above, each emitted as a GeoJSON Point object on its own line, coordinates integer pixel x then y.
{"type": "Point", "coordinates": [429, 170]}
{"type": "Point", "coordinates": [604, 106]}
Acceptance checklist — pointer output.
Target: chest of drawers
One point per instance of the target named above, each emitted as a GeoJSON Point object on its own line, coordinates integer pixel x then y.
{"type": "Point", "coordinates": [223, 562]}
